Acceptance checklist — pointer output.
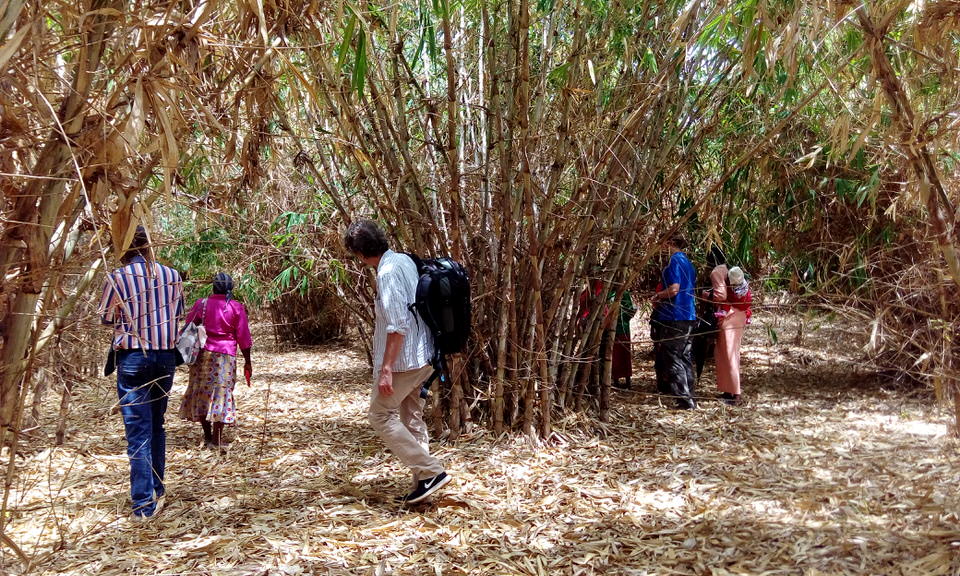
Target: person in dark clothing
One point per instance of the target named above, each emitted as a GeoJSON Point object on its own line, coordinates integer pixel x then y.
{"type": "Point", "coordinates": [705, 333]}
{"type": "Point", "coordinates": [672, 322]}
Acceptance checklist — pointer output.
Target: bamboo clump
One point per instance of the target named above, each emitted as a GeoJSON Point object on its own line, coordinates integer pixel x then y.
{"type": "Point", "coordinates": [541, 149]}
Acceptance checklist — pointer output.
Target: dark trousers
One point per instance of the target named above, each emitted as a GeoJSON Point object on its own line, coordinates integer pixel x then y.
{"type": "Point", "coordinates": [702, 349]}
{"type": "Point", "coordinates": [143, 386]}
{"type": "Point", "coordinates": [704, 338]}
{"type": "Point", "coordinates": [673, 360]}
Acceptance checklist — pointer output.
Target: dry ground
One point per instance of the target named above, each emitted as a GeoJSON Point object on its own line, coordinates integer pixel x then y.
{"type": "Point", "coordinates": [827, 470]}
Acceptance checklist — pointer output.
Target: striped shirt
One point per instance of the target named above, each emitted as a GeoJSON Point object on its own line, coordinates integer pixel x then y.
{"type": "Point", "coordinates": [396, 289]}
{"type": "Point", "coordinates": [143, 302]}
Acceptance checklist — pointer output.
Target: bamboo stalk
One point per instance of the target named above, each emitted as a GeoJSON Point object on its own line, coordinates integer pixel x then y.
{"type": "Point", "coordinates": [508, 231]}
{"type": "Point", "coordinates": [453, 161]}
{"type": "Point", "coordinates": [917, 151]}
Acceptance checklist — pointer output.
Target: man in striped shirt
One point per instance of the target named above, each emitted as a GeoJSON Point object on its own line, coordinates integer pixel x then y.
{"type": "Point", "coordinates": [402, 349]}
{"type": "Point", "coordinates": [143, 301]}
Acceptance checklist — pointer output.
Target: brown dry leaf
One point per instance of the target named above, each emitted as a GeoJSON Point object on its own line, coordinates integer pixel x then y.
{"type": "Point", "coordinates": [824, 471]}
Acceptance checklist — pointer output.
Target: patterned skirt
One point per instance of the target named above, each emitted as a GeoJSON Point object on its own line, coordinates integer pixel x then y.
{"type": "Point", "coordinates": [209, 394]}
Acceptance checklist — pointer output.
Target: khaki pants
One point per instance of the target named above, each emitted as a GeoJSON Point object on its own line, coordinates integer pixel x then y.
{"type": "Point", "coordinates": [398, 420]}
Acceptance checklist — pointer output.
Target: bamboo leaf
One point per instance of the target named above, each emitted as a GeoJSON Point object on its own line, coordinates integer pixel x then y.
{"type": "Point", "coordinates": [10, 47]}
{"type": "Point", "coordinates": [650, 61]}
{"type": "Point", "coordinates": [360, 62]}
{"type": "Point", "coordinates": [170, 151]}
{"type": "Point", "coordinates": [136, 120]}
{"type": "Point", "coordinates": [344, 47]}
{"type": "Point", "coordinates": [924, 190]}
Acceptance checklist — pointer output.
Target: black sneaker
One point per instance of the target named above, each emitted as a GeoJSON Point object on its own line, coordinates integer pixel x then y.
{"type": "Point", "coordinates": [732, 400]}
{"type": "Point", "coordinates": [686, 404]}
{"type": "Point", "coordinates": [427, 487]}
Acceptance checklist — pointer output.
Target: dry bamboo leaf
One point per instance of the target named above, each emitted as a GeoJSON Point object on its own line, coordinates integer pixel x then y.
{"type": "Point", "coordinates": [169, 149]}
{"type": "Point", "coordinates": [923, 190]}
{"type": "Point", "coordinates": [11, 46]}
{"type": "Point", "coordinates": [123, 226]}
{"type": "Point", "coordinates": [681, 22]}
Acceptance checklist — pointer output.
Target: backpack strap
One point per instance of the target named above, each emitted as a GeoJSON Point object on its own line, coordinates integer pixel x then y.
{"type": "Point", "coordinates": [417, 261]}
{"type": "Point", "coordinates": [412, 307]}
{"type": "Point", "coordinates": [440, 371]}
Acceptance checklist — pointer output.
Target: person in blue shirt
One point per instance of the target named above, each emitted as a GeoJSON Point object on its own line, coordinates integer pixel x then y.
{"type": "Point", "coordinates": [671, 326]}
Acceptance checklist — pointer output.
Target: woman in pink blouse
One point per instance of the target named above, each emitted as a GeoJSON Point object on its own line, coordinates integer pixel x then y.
{"type": "Point", "coordinates": [209, 396]}
{"type": "Point", "coordinates": [731, 293]}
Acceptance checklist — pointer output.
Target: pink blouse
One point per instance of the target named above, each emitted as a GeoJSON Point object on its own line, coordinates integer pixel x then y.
{"type": "Point", "coordinates": [225, 322]}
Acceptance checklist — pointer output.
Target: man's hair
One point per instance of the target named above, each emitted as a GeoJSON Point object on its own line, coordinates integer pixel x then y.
{"type": "Point", "coordinates": [366, 238]}
{"type": "Point", "coordinates": [715, 257]}
{"type": "Point", "coordinates": [140, 246]}
{"type": "Point", "coordinates": [678, 240]}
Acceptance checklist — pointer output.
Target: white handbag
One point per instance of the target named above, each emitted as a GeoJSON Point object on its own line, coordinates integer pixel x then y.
{"type": "Point", "coordinates": [193, 337]}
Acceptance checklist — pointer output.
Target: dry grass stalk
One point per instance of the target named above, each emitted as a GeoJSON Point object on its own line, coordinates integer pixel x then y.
{"type": "Point", "coordinates": [825, 471]}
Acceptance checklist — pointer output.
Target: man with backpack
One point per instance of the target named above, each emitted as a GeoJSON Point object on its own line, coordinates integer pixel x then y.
{"type": "Point", "coordinates": [402, 352]}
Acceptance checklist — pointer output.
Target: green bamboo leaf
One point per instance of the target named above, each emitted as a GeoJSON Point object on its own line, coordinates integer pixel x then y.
{"type": "Point", "coordinates": [710, 35]}
{"type": "Point", "coordinates": [772, 334]}
{"type": "Point", "coordinates": [344, 47]}
{"type": "Point", "coordinates": [360, 62]}
{"type": "Point", "coordinates": [558, 76]}
{"type": "Point", "coordinates": [430, 30]}
{"type": "Point", "coordinates": [650, 61]}
{"type": "Point", "coordinates": [421, 41]}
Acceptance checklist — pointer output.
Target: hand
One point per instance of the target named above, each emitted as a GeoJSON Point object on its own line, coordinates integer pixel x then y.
{"type": "Point", "coordinates": [247, 371]}
{"type": "Point", "coordinates": [385, 384]}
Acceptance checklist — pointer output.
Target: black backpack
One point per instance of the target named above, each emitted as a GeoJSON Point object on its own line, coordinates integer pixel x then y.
{"type": "Point", "coordinates": [443, 304]}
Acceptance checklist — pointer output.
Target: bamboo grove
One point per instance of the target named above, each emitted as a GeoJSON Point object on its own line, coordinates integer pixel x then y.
{"type": "Point", "coordinates": [542, 144]}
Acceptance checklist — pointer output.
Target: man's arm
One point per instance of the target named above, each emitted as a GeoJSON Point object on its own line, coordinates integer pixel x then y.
{"type": "Point", "coordinates": [668, 292]}
{"type": "Point", "coordinates": [390, 353]}
{"type": "Point", "coordinates": [397, 317]}
{"type": "Point", "coordinates": [671, 279]}
{"type": "Point", "coordinates": [107, 307]}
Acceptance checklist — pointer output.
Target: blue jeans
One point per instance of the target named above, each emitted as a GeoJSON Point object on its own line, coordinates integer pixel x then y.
{"type": "Point", "coordinates": [143, 385]}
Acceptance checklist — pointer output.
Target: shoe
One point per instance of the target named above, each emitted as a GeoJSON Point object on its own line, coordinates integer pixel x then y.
{"type": "Point", "coordinates": [427, 487]}
{"type": "Point", "coordinates": [141, 518]}
{"type": "Point", "coordinates": [214, 447]}
{"type": "Point", "coordinates": [732, 400]}
{"type": "Point", "coordinates": [686, 404]}
{"type": "Point", "coordinates": [138, 518]}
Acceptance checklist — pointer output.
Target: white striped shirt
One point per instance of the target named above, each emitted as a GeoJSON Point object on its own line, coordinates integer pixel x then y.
{"type": "Point", "coordinates": [143, 302]}
{"type": "Point", "coordinates": [396, 289]}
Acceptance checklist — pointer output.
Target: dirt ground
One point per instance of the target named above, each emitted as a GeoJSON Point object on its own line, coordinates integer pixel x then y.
{"type": "Point", "coordinates": [828, 469]}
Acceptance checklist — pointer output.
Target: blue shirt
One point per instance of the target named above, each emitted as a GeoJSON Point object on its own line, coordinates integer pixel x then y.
{"type": "Point", "coordinates": [683, 305]}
